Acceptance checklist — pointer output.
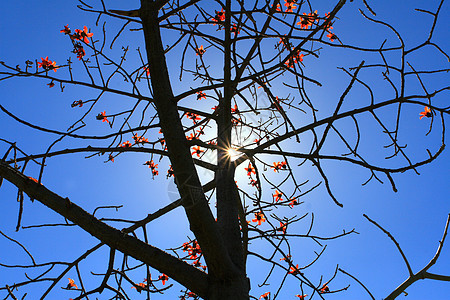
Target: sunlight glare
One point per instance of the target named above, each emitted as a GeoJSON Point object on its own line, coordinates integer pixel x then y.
{"type": "Point", "coordinates": [233, 154]}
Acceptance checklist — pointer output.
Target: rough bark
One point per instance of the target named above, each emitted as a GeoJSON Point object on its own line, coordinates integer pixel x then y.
{"type": "Point", "coordinates": [227, 202]}
{"type": "Point", "coordinates": [226, 280]}
{"type": "Point", "coordinates": [229, 290]}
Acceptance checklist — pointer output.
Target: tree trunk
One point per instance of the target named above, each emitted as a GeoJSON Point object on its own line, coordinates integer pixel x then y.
{"type": "Point", "coordinates": [231, 290]}
{"type": "Point", "coordinates": [226, 279]}
{"type": "Point", "coordinates": [220, 241]}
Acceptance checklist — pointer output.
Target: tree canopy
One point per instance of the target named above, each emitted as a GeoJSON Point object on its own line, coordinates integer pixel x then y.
{"type": "Point", "coordinates": [213, 149]}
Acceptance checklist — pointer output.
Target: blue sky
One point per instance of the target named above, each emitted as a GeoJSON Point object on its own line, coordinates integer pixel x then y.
{"type": "Point", "coordinates": [415, 215]}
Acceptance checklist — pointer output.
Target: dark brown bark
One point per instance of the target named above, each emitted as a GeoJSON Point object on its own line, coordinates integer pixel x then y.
{"type": "Point", "coordinates": [227, 202]}
{"type": "Point", "coordinates": [226, 272]}
{"type": "Point", "coordinates": [229, 290]}
{"type": "Point", "coordinates": [220, 266]}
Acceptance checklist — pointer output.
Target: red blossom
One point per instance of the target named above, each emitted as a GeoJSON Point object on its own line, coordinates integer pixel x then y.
{"type": "Point", "coordinates": [301, 296]}
{"type": "Point", "coordinates": [324, 289]}
{"type": "Point", "coordinates": [293, 202]}
{"type": "Point", "coordinates": [79, 51]}
{"type": "Point", "coordinates": [294, 270]}
{"type": "Point", "coordinates": [201, 95]}
{"type": "Point", "coordinates": [77, 103]}
{"type": "Point", "coordinates": [276, 103]}
{"type": "Point", "coordinates": [139, 139]}
{"type": "Point", "coordinates": [51, 84]}
{"type": "Point", "coordinates": [197, 264]}
{"type": "Point", "coordinates": [234, 29]}
{"type": "Point", "coordinates": [279, 165]}
{"type": "Point", "coordinates": [191, 137]}
{"type": "Point", "coordinates": [426, 113]}
{"type": "Point", "coordinates": [170, 172]}
{"type": "Point", "coordinates": [193, 250]}
{"type": "Point", "coordinates": [290, 5]}
{"type": "Point", "coordinates": [250, 170]}
{"type": "Point", "coordinates": [290, 62]}
{"type": "Point", "coordinates": [126, 144]}
{"type": "Point", "coordinates": [102, 116]}
{"type": "Point", "coordinates": [329, 25]}
{"type": "Point", "coordinates": [152, 166]}
{"type": "Point", "coordinates": [197, 151]}
{"type": "Point", "coordinates": [83, 34]}
{"type": "Point", "coordinates": [276, 166]}
{"type": "Point", "coordinates": [294, 59]}
{"type": "Point", "coordinates": [331, 36]}
{"type": "Point", "coordinates": [71, 284]}
{"type": "Point", "coordinates": [284, 41]}
{"type": "Point", "coordinates": [235, 121]}
{"type": "Point", "coordinates": [66, 29]}
{"type": "Point", "coordinates": [254, 183]}
{"type": "Point", "coordinates": [163, 277]}
{"type": "Point", "coordinates": [259, 218]}
{"type": "Point", "coordinates": [140, 286]}
{"type": "Point", "coordinates": [220, 17]}
{"type": "Point", "coordinates": [283, 227]}
{"type": "Point", "coordinates": [305, 22]}
{"type": "Point", "coordinates": [47, 64]}
{"type": "Point", "coordinates": [277, 196]}
{"type": "Point", "coordinates": [286, 258]}
{"type": "Point", "coordinates": [193, 117]}
{"type": "Point", "coordinates": [186, 246]}
{"type": "Point", "coordinates": [200, 51]}
{"type": "Point", "coordinates": [147, 71]}
{"type": "Point", "coordinates": [265, 296]}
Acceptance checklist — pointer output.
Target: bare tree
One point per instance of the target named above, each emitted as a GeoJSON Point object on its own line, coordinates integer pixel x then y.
{"type": "Point", "coordinates": [236, 55]}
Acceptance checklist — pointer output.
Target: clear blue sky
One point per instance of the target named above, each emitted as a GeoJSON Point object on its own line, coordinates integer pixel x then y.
{"type": "Point", "coordinates": [415, 215]}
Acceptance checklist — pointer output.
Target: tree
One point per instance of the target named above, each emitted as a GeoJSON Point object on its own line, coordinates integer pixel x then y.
{"type": "Point", "coordinates": [234, 55]}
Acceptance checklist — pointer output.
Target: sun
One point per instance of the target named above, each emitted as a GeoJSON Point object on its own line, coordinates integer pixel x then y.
{"type": "Point", "coordinates": [233, 154]}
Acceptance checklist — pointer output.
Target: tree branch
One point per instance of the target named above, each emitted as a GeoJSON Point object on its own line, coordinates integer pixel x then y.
{"type": "Point", "coordinates": [180, 271]}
